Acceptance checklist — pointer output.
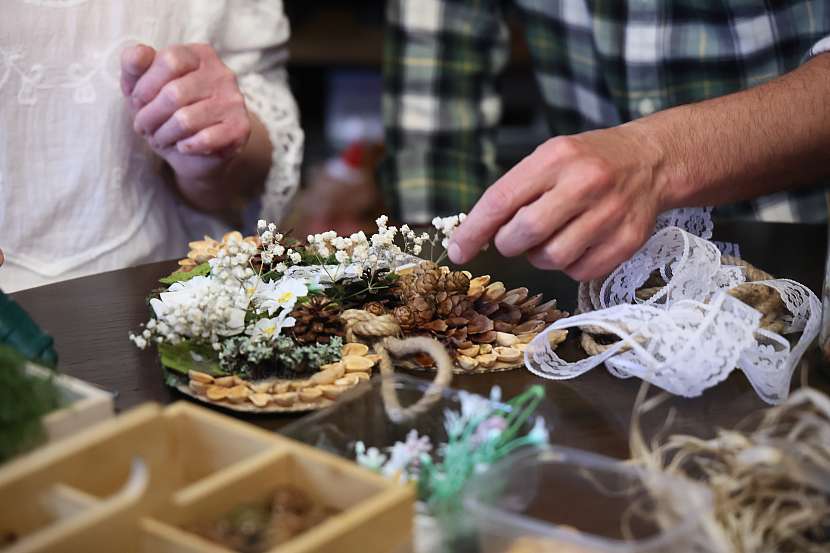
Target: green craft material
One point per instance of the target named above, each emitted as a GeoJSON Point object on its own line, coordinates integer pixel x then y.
{"type": "Point", "coordinates": [482, 433]}
{"type": "Point", "coordinates": [181, 276]}
{"type": "Point", "coordinates": [440, 482]}
{"type": "Point", "coordinates": [185, 356]}
{"type": "Point", "coordinates": [19, 331]}
{"type": "Point", "coordinates": [24, 400]}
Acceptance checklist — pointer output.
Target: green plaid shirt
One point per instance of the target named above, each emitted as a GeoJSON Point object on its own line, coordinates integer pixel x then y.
{"type": "Point", "coordinates": [598, 63]}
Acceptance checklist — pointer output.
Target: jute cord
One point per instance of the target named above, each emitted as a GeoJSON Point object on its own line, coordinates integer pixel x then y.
{"type": "Point", "coordinates": [383, 332]}
{"type": "Point", "coordinates": [595, 340]}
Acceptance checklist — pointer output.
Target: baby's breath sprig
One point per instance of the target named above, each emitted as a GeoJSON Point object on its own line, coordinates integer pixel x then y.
{"type": "Point", "coordinates": [274, 253]}
{"type": "Point", "coordinates": [446, 227]}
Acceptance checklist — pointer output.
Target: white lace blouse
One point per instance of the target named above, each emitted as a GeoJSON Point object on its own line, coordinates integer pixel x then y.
{"type": "Point", "coordinates": [79, 192]}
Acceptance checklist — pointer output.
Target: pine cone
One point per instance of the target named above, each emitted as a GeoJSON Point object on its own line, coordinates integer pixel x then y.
{"type": "Point", "coordinates": [404, 316]}
{"type": "Point", "coordinates": [427, 279]}
{"type": "Point", "coordinates": [514, 312]}
{"type": "Point", "coordinates": [317, 321]}
{"type": "Point", "coordinates": [465, 313]}
{"type": "Point", "coordinates": [456, 282]}
{"type": "Point", "coordinates": [422, 309]}
{"type": "Point", "coordinates": [375, 308]}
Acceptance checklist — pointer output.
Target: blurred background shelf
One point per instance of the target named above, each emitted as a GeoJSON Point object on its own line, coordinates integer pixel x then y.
{"type": "Point", "coordinates": [336, 53]}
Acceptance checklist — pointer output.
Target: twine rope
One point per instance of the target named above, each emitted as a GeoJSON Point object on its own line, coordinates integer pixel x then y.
{"type": "Point", "coordinates": [763, 298]}
{"type": "Point", "coordinates": [383, 332]}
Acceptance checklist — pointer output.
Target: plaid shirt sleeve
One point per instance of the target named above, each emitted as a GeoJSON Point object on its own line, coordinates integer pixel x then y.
{"type": "Point", "coordinates": [440, 104]}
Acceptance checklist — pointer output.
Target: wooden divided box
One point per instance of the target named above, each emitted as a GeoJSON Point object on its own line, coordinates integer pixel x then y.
{"type": "Point", "coordinates": [135, 483]}
{"type": "Point", "coordinates": [82, 405]}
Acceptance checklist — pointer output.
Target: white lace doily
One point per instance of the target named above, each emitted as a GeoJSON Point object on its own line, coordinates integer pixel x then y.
{"type": "Point", "coordinates": [691, 334]}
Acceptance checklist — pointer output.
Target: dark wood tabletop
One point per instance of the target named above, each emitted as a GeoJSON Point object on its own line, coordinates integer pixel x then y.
{"type": "Point", "coordinates": [91, 317]}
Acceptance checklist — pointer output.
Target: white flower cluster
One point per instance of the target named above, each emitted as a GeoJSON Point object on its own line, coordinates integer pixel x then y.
{"type": "Point", "coordinates": [377, 251]}
{"type": "Point", "coordinates": [383, 243]}
{"type": "Point", "coordinates": [273, 248]}
{"type": "Point", "coordinates": [354, 249]}
{"type": "Point", "coordinates": [278, 294]}
{"type": "Point", "coordinates": [212, 308]}
{"type": "Point", "coordinates": [277, 299]}
{"type": "Point", "coordinates": [402, 460]}
{"type": "Point", "coordinates": [232, 264]}
{"type": "Point", "coordinates": [413, 242]}
{"type": "Point", "coordinates": [447, 225]}
{"type": "Point", "coordinates": [202, 308]}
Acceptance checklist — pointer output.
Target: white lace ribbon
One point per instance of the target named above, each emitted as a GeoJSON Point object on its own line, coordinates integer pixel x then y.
{"type": "Point", "coordinates": [691, 334]}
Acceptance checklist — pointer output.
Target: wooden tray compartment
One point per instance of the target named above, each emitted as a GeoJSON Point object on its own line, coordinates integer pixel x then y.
{"type": "Point", "coordinates": [82, 493]}
{"type": "Point", "coordinates": [50, 487]}
{"type": "Point", "coordinates": [85, 405]}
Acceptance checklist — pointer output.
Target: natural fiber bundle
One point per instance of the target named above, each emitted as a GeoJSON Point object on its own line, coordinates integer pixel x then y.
{"type": "Point", "coordinates": [770, 481]}
{"type": "Point", "coordinates": [767, 301]}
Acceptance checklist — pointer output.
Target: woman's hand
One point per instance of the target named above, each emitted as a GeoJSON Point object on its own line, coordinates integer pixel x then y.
{"type": "Point", "coordinates": [188, 106]}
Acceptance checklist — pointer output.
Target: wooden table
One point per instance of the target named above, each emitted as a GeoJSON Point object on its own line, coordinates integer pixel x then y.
{"type": "Point", "coordinates": [91, 317]}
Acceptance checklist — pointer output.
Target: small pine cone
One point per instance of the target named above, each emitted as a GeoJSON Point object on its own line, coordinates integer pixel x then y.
{"type": "Point", "coordinates": [316, 321]}
{"type": "Point", "coordinates": [443, 304]}
{"type": "Point", "coordinates": [426, 279]}
{"type": "Point", "coordinates": [375, 308]}
{"type": "Point", "coordinates": [404, 316]}
{"type": "Point", "coordinates": [456, 282]}
{"type": "Point", "coordinates": [403, 287]}
{"type": "Point", "coordinates": [422, 309]}
{"type": "Point", "coordinates": [426, 284]}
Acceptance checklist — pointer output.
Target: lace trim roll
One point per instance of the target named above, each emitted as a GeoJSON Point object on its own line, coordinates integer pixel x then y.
{"type": "Point", "coordinates": [691, 334]}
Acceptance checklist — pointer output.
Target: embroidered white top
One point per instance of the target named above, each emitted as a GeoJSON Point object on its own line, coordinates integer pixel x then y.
{"type": "Point", "coordinates": [79, 191]}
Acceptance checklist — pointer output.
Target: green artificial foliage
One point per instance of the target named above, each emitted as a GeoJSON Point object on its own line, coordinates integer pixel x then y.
{"type": "Point", "coordinates": [24, 400]}
{"type": "Point", "coordinates": [481, 433]}
{"type": "Point", "coordinates": [440, 481]}
{"type": "Point", "coordinates": [293, 357]}
{"type": "Point", "coordinates": [186, 356]}
{"type": "Point", "coordinates": [284, 357]}
{"type": "Point", "coordinates": [21, 333]}
{"type": "Point", "coordinates": [181, 276]}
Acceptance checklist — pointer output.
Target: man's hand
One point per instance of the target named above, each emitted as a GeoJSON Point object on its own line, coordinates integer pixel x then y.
{"type": "Point", "coordinates": [581, 204]}
{"type": "Point", "coordinates": [586, 203]}
{"type": "Point", "coordinates": [188, 106]}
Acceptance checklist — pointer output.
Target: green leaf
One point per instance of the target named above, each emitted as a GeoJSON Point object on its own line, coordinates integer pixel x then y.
{"type": "Point", "coordinates": [181, 276]}
{"type": "Point", "coordinates": [171, 379]}
{"type": "Point", "coordinates": [186, 356]}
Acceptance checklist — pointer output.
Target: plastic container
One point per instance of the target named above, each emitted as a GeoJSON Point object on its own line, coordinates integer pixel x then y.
{"type": "Point", "coordinates": [558, 500]}
{"type": "Point", "coordinates": [362, 417]}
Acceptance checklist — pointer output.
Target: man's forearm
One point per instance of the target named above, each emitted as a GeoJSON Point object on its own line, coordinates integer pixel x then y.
{"type": "Point", "coordinates": [241, 179]}
{"type": "Point", "coordinates": [765, 139]}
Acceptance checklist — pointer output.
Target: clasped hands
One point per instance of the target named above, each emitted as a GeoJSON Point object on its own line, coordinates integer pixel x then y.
{"type": "Point", "coordinates": [581, 204]}
{"type": "Point", "coordinates": [187, 105]}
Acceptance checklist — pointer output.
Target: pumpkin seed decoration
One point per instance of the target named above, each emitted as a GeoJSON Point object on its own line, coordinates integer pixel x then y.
{"type": "Point", "coordinates": [319, 390]}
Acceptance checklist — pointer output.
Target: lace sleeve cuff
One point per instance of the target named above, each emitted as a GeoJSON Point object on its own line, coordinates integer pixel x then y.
{"type": "Point", "coordinates": [271, 100]}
